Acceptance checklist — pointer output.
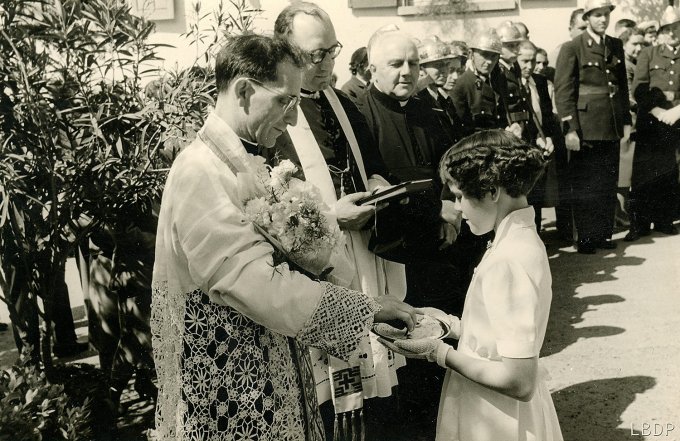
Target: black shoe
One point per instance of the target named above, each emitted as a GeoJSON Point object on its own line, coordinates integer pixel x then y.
{"type": "Point", "coordinates": [4, 327]}
{"type": "Point", "coordinates": [666, 229]}
{"type": "Point", "coordinates": [70, 349]}
{"type": "Point", "coordinates": [645, 232]}
{"type": "Point", "coordinates": [632, 236]}
{"type": "Point", "coordinates": [585, 248]}
{"type": "Point", "coordinates": [605, 244]}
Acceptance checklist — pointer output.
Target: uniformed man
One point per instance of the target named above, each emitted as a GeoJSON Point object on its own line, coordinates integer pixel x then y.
{"type": "Point", "coordinates": [517, 108]}
{"type": "Point", "coordinates": [656, 88]}
{"type": "Point", "coordinates": [435, 63]}
{"type": "Point", "coordinates": [477, 103]}
{"type": "Point", "coordinates": [361, 76]}
{"type": "Point", "coordinates": [592, 100]}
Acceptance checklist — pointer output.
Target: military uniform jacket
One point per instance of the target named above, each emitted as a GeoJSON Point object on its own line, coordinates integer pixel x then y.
{"type": "Point", "coordinates": [443, 107]}
{"type": "Point", "coordinates": [656, 84]}
{"type": "Point", "coordinates": [515, 100]}
{"type": "Point", "coordinates": [477, 104]}
{"type": "Point", "coordinates": [591, 90]}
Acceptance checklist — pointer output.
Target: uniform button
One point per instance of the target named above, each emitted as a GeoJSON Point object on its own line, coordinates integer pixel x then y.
{"type": "Point", "coordinates": [482, 112]}
{"type": "Point", "coordinates": [656, 66]}
{"type": "Point", "coordinates": [672, 61]}
{"type": "Point", "coordinates": [670, 82]}
{"type": "Point", "coordinates": [610, 83]}
{"type": "Point", "coordinates": [608, 71]}
{"type": "Point", "coordinates": [590, 63]}
{"type": "Point", "coordinates": [510, 95]}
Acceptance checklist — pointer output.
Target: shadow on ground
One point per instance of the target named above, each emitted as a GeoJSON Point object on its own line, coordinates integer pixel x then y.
{"type": "Point", "coordinates": [570, 271]}
{"type": "Point", "coordinates": [593, 409]}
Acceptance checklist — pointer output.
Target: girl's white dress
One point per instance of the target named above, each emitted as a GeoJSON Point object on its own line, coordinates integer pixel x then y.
{"type": "Point", "coordinates": [505, 314]}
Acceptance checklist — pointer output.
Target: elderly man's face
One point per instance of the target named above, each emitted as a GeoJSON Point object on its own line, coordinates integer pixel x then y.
{"type": "Point", "coordinates": [527, 62]}
{"type": "Point", "coordinates": [394, 66]}
{"type": "Point", "coordinates": [269, 109]}
{"type": "Point", "coordinates": [309, 34]}
{"type": "Point", "coordinates": [438, 71]}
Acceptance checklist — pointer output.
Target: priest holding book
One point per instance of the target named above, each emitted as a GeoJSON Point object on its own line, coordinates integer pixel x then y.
{"type": "Point", "coordinates": [411, 142]}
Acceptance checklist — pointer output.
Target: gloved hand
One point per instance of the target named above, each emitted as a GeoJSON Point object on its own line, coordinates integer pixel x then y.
{"type": "Point", "coordinates": [452, 321]}
{"type": "Point", "coordinates": [430, 349]}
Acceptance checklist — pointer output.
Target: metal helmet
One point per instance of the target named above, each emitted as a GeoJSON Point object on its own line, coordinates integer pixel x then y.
{"type": "Point", "coordinates": [509, 33]}
{"type": "Point", "coordinates": [488, 41]}
{"type": "Point", "coordinates": [591, 5]}
{"type": "Point", "coordinates": [433, 49]}
{"type": "Point", "coordinates": [670, 15]}
{"type": "Point", "coordinates": [459, 49]}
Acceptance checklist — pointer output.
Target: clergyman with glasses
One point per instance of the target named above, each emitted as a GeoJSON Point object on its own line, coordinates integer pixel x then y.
{"type": "Point", "coordinates": [231, 332]}
{"type": "Point", "coordinates": [333, 147]}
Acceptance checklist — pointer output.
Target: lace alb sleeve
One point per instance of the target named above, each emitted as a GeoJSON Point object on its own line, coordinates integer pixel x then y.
{"type": "Point", "coordinates": [342, 318]}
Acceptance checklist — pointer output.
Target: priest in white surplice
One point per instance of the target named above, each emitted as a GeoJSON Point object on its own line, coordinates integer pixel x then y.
{"type": "Point", "coordinates": [335, 150]}
{"type": "Point", "coordinates": [230, 332]}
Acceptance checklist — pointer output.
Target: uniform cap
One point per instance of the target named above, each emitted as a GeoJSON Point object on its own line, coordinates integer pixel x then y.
{"type": "Point", "coordinates": [591, 5]}
{"type": "Point", "coordinates": [487, 41]}
{"type": "Point", "coordinates": [433, 49]}
{"type": "Point", "coordinates": [509, 33]}
{"type": "Point", "coordinates": [670, 15]}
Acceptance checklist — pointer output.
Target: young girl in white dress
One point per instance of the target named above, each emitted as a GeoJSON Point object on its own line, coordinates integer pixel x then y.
{"type": "Point", "coordinates": [495, 387]}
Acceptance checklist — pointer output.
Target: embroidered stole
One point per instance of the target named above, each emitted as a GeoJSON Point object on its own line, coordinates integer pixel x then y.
{"type": "Point", "coordinates": [373, 276]}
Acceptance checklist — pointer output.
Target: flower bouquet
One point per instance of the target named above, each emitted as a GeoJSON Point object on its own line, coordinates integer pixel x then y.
{"type": "Point", "coordinates": [292, 216]}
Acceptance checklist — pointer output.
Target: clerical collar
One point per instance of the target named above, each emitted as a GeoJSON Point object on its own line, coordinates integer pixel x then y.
{"type": "Point", "coordinates": [443, 92]}
{"type": "Point", "coordinates": [307, 94]}
{"type": "Point", "coordinates": [504, 63]}
{"type": "Point", "coordinates": [250, 147]}
{"type": "Point", "coordinates": [433, 94]}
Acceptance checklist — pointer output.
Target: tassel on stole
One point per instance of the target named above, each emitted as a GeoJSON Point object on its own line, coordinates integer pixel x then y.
{"type": "Point", "coordinates": [349, 426]}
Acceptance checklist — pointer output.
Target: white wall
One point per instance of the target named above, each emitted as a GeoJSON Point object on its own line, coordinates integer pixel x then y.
{"type": "Point", "coordinates": [547, 21]}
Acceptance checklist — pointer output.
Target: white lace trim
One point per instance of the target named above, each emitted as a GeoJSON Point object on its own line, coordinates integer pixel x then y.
{"type": "Point", "coordinates": [223, 376]}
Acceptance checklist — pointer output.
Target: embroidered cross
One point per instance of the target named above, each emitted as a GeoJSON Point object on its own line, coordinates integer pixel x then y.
{"type": "Point", "coordinates": [347, 381]}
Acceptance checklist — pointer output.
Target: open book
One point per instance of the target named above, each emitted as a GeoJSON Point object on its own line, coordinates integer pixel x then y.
{"type": "Point", "coordinates": [396, 192]}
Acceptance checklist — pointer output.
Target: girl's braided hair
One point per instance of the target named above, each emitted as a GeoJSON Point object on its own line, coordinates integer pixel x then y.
{"type": "Point", "coordinates": [481, 162]}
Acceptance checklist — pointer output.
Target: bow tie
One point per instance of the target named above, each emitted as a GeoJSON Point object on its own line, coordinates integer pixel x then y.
{"type": "Point", "coordinates": [307, 94]}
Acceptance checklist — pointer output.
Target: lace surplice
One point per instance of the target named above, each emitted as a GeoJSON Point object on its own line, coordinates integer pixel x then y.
{"type": "Point", "coordinates": [227, 373]}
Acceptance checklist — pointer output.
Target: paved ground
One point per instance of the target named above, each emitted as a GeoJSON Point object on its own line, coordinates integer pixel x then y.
{"type": "Point", "coordinates": [612, 346]}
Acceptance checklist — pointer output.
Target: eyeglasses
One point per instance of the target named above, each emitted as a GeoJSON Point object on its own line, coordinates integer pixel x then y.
{"type": "Point", "coordinates": [291, 101]}
{"type": "Point", "coordinates": [318, 55]}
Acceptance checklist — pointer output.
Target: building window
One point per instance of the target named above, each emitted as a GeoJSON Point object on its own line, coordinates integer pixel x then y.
{"type": "Point", "coordinates": [442, 7]}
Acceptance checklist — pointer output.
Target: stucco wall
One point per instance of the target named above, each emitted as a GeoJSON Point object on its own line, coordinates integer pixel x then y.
{"type": "Point", "coordinates": [547, 21]}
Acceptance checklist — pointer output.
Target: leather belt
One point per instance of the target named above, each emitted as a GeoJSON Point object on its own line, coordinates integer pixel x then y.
{"type": "Point", "coordinates": [585, 90]}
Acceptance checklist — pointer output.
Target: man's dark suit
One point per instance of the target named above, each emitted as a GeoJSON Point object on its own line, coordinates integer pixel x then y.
{"type": "Point", "coordinates": [591, 94]}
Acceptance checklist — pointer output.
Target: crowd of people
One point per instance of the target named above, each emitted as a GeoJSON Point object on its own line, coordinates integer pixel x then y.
{"type": "Point", "coordinates": [243, 351]}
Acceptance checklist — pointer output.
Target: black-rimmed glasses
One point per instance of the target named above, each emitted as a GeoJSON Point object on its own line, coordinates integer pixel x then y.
{"type": "Point", "coordinates": [291, 100]}
{"type": "Point", "coordinates": [317, 56]}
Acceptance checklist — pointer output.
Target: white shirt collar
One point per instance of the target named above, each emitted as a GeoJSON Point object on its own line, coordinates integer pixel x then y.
{"type": "Point", "coordinates": [596, 38]}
